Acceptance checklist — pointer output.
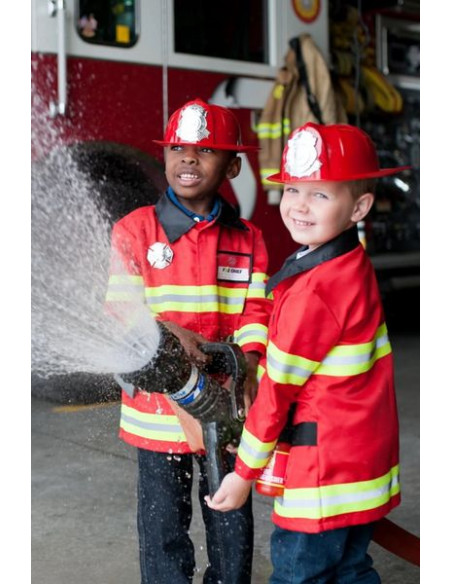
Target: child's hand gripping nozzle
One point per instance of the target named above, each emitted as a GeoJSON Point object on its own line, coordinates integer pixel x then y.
{"type": "Point", "coordinates": [220, 411]}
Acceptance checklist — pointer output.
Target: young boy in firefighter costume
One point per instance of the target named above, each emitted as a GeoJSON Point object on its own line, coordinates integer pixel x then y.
{"type": "Point", "coordinates": [329, 355]}
{"type": "Point", "coordinates": [204, 273]}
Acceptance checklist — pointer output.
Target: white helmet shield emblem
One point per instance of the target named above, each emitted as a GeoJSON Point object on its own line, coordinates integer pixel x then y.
{"type": "Point", "coordinates": [192, 124]}
{"type": "Point", "coordinates": [302, 157]}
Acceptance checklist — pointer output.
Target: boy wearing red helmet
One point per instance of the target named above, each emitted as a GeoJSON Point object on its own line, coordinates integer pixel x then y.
{"type": "Point", "coordinates": [203, 270]}
{"type": "Point", "coordinates": [329, 364]}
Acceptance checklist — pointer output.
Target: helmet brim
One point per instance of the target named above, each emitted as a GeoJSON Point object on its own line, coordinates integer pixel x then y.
{"type": "Point", "coordinates": [283, 178]}
{"type": "Point", "coordinates": [230, 147]}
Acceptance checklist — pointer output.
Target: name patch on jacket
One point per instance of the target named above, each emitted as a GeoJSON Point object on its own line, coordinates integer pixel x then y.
{"type": "Point", "coordinates": [233, 266]}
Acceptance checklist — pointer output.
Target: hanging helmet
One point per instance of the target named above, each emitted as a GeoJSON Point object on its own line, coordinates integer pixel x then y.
{"type": "Point", "coordinates": [205, 125]}
{"type": "Point", "coordinates": [334, 152]}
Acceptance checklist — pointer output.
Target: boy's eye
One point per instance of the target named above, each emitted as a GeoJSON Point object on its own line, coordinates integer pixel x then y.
{"type": "Point", "coordinates": [320, 196]}
{"type": "Point", "coordinates": [175, 148]}
{"type": "Point", "coordinates": [206, 150]}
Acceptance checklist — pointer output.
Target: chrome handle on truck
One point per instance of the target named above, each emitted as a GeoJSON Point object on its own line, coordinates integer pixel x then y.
{"type": "Point", "coordinates": [58, 8]}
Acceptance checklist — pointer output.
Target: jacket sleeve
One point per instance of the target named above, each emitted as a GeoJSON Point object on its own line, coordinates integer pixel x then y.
{"type": "Point", "coordinates": [125, 297]}
{"type": "Point", "coordinates": [251, 334]}
{"type": "Point", "coordinates": [302, 336]}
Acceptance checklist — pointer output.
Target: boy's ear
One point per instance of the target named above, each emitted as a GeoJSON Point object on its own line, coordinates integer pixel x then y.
{"type": "Point", "coordinates": [362, 206]}
{"type": "Point", "coordinates": [234, 167]}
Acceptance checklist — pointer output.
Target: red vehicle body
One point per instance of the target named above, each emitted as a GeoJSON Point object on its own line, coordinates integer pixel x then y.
{"type": "Point", "coordinates": [113, 101]}
{"type": "Point", "coordinates": [112, 90]}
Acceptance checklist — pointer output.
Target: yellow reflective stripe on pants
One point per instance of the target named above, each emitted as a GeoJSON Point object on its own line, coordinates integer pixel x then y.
{"type": "Point", "coordinates": [331, 500]}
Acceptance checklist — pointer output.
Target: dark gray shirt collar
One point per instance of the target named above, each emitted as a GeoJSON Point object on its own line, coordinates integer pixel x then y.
{"type": "Point", "coordinates": [343, 243]}
{"type": "Point", "coordinates": [176, 223]}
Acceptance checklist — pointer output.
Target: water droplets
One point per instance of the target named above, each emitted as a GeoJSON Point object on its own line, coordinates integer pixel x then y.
{"type": "Point", "coordinates": [71, 329]}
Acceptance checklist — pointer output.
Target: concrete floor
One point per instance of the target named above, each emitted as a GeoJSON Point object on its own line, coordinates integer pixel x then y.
{"type": "Point", "coordinates": [83, 492]}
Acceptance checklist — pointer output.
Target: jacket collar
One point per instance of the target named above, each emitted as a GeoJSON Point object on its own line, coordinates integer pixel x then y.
{"type": "Point", "coordinates": [176, 223]}
{"type": "Point", "coordinates": [340, 245]}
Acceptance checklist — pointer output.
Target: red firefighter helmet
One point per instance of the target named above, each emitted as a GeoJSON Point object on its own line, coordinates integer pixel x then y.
{"type": "Point", "coordinates": [334, 152]}
{"type": "Point", "coordinates": [204, 125]}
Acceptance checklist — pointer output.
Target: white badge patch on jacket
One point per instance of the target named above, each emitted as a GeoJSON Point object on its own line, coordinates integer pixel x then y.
{"type": "Point", "coordinates": [160, 255]}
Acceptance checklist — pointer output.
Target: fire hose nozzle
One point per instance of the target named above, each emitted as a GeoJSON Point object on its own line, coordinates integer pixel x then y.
{"type": "Point", "coordinates": [220, 411]}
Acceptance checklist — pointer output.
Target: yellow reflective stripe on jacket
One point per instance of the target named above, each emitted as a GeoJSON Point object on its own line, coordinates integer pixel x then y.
{"type": "Point", "coordinates": [287, 368]}
{"type": "Point", "coordinates": [124, 288]}
{"type": "Point", "coordinates": [273, 131]}
{"type": "Point", "coordinates": [210, 298]}
{"type": "Point", "coordinates": [251, 333]}
{"type": "Point", "coordinates": [260, 372]}
{"type": "Point", "coordinates": [346, 360]}
{"type": "Point", "coordinates": [256, 288]}
{"type": "Point", "coordinates": [330, 500]}
{"type": "Point", "coordinates": [151, 426]}
{"type": "Point", "coordinates": [341, 361]}
{"type": "Point", "coordinates": [253, 452]}
{"type": "Point", "coordinates": [278, 91]}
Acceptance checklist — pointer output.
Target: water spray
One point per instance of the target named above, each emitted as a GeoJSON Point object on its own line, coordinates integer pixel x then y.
{"type": "Point", "coordinates": [220, 411]}
{"type": "Point", "coordinates": [73, 332]}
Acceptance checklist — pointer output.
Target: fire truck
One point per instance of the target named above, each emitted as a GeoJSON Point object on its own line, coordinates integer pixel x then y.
{"type": "Point", "coordinates": [107, 74]}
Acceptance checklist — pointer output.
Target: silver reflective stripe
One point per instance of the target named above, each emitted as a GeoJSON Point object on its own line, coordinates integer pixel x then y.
{"type": "Point", "coordinates": [249, 451]}
{"type": "Point", "coordinates": [326, 501]}
{"type": "Point", "coordinates": [150, 425]}
{"type": "Point", "coordinates": [348, 360]}
{"type": "Point", "coordinates": [256, 287]}
{"type": "Point", "coordinates": [257, 284]}
{"type": "Point", "coordinates": [204, 299]}
{"type": "Point", "coordinates": [381, 341]}
{"type": "Point", "coordinates": [253, 452]}
{"type": "Point", "coordinates": [287, 369]}
{"type": "Point", "coordinates": [338, 499]}
{"type": "Point", "coordinates": [252, 333]}
{"type": "Point", "coordinates": [126, 287]}
{"type": "Point", "coordinates": [357, 358]}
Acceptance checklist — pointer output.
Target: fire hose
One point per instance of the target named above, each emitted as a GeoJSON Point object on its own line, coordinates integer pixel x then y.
{"type": "Point", "coordinates": [221, 413]}
{"type": "Point", "coordinates": [398, 541]}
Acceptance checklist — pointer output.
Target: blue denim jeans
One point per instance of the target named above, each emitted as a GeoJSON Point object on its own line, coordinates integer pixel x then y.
{"type": "Point", "coordinates": [167, 553]}
{"type": "Point", "coordinates": [337, 556]}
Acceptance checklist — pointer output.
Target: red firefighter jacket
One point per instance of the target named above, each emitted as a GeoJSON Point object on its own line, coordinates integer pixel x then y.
{"type": "Point", "coordinates": [329, 354]}
{"type": "Point", "coordinates": [206, 276]}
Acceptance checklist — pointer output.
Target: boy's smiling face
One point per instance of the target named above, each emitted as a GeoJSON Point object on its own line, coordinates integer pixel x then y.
{"type": "Point", "coordinates": [315, 212]}
{"type": "Point", "coordinates": [196, 173]}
